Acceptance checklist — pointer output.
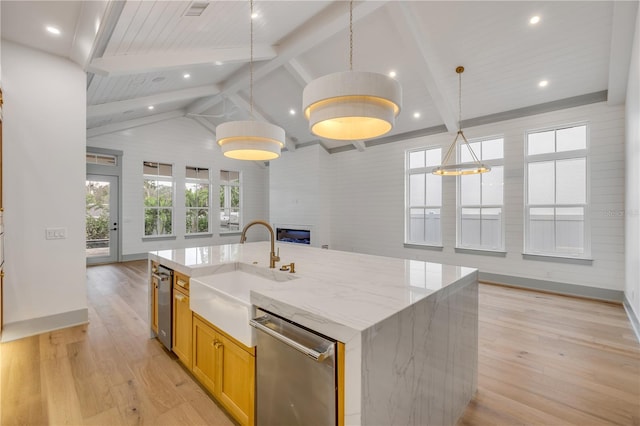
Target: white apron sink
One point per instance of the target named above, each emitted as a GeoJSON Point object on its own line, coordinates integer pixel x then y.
{"type": "Point", "coordinates": [223, 298]}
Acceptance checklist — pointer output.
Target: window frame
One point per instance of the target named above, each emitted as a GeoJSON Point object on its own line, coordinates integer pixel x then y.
{"type": "Point", "coordinates": [159, 178]}
{"type": "Point", "coordinates": [200, 181]}
{"type": "Point", "coordinates": [494, 162]}
{"type": "Point", "coordinates": [227, 197]}
{"type": "Point", "coordinates": [408, 207]}
{"type": "Point", "coordinates": [555, 157]}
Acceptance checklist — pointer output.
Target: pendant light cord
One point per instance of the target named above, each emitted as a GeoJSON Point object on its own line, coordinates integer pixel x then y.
{"type": "Point", "coordinates": [459, 100]}
{"type": "Point", "coordinates": [251, 58]}
{"type": "Point", "coordinates": [351, 35]}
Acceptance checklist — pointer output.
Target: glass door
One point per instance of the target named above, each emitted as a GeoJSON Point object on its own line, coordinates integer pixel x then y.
{"type": "Point", "coordinates": [102, 219]}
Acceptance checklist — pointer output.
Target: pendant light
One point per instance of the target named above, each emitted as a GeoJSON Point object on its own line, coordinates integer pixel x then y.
{"type": "Point", "coordinates": [470, 168]}
{"type": "Point", "coordinates": [352, 105]}
{"type": "Point", "coordinates": [250, 139]}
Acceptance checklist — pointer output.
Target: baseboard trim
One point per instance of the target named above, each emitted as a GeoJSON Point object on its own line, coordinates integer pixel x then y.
{"type": "Point", "coordinates": [554, 287]}
{"type": "Point", "coordinates": [136, 256]}
{"type": "Point", "coordinates": [31, 327]}
{"type": "Point", "coordinates": [633, 319]}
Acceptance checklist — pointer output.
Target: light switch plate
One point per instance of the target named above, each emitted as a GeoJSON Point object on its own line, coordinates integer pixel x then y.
{"type": "Point", "coordinates": [56, 233]}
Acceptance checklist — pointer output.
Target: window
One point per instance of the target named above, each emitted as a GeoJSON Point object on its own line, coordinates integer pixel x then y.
{"type": "Point", "coordinates": [480, 198]}
{"type": "Point", "coordinates": [424, 197]}
{"type": "Point", "coordinates": [196, 194]}
{"type": "Point", "coordinates": [556, 192]}
{"type": "Point", "coordinates": [230, 188]}
{"type": "Point", "coordinates": [158, 199]}
{"type": "Point", "coordinates": [102, 159]}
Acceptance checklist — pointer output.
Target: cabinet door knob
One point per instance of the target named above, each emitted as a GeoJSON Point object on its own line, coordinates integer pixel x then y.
{"type": "Point", "coordinates": [179, 297]}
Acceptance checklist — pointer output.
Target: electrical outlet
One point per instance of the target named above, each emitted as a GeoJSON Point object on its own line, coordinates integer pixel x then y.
{"type": "Point", "coordinates": [56, 233]}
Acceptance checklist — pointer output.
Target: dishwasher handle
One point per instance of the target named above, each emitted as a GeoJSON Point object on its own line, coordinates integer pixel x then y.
{"type": "Point", "coordinates": [315, 355]}
{"type": "Point", "coordinates": [161, 277]}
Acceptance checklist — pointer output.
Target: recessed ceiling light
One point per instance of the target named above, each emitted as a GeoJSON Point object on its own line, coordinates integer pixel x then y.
{"type": "Point", "coordinates": [534, 20]}
{"type": "Point", "coordinates": [543, 83]}
{"type": "Point", "coordinates": [416, 115]}
{"type": "Point", "coordinates": [53, 30]}
{"type": "Point", "coordinates": [392, 74]}
{"type": "Point", "coordinates": [292, 111]}
{"type": "Point", "coordinates": [187, 75]}
{"type": "Point", "coordinates": [254, 15]}
{"type": "Point", "coordinates": [218, 62]}
{"type": "Point", "coordinates": [150, 107]}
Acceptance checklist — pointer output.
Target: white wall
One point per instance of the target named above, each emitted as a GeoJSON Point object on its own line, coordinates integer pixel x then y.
{"type": "Point", "coordinates": [44, 170]}
{"type": "Point", "coordinates": [368, 201]}
{"type": "Point", "coordinates": [632, 217]}
{"type": "Point", "coordinates": [181, 142]}
{"type": "Point", "coordinates": [300, 193]}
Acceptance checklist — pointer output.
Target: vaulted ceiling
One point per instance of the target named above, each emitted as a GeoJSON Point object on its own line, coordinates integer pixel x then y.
{"type": "Point", "coordinates": [137, 54]}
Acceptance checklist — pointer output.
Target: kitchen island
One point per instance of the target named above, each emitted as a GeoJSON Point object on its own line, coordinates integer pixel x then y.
{"type": "Point", "coordinates": [409, 328]}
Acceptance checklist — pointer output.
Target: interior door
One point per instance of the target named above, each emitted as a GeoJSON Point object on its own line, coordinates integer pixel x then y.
{"type": "Point", "coordinates": [102, 219]}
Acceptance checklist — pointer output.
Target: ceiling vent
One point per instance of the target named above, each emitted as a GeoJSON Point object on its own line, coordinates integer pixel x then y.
{"type": "Point", "coordinates": [196, 8]}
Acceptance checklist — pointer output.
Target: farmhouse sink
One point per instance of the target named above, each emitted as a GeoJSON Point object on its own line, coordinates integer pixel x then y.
{"type": "Point", "coordinates": [223, 297]}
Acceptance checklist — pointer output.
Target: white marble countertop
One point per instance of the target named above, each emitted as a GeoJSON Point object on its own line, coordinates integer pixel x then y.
{"type": "Point", "coordinates": [334, 292]}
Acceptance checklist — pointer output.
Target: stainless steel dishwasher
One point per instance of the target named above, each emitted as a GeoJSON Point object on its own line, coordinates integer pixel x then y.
{"type": "Point", "coordinates": [295, 374]}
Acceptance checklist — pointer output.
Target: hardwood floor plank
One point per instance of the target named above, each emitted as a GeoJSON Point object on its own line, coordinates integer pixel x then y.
{"type": "Point", "coordinates": [59, 392]}
{"type": "Point", "coordinates": [135, 408]}
{"type": "Point", "coordinates": [104, 418]}
{"type": "Point", "coordinates": [156, 385]}
{"type": "Point", "coordinates": [183, 414]}
{"type": "Point", "coordinates": [22, 402]}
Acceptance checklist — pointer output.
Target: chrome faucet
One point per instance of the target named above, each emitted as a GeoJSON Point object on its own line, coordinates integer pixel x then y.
{"type": "Point", "coordinates": [273, 257]}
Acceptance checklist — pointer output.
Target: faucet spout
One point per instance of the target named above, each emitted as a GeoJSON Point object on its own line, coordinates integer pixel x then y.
{"type": "Point", "coordinates": [273, 257]}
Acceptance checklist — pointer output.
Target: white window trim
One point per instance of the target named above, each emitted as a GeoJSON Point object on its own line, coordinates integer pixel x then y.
{"type": "Point", "coordinates": [407, 219]}
{"type": "Point", "coordinates": [491, 163]}
{"type": "Point", "coordinates": [186, 209]}
{"type": "Point", "coordinates": [241, 210]}
{"type": "Point", "coordinates": [563, 155]}
{"type": "Point", "coordinates": [158, 178]}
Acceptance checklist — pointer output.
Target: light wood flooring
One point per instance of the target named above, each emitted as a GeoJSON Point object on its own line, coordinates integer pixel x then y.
{"type": "Point", "coordinates": [543, 360]}
{"type": "Point", "coordinates": [105, 373]}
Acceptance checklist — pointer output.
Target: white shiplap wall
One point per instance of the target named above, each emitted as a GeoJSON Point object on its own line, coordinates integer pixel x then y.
{"type": "Point", "coordinates": [367, 200]}
{"type": "Point", "coordinates": [299, 192]}
{"type": "Point", "coordinates": [181, 142]}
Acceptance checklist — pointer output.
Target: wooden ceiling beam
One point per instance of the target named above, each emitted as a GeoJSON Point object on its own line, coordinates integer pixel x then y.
{"type": "Point", "coordinates": [136, 122]}
{"type": "Point", "coordinates": [299, 72]}
{"type": "Point", "coordinates": [137, 64]}
{"type": "Point", "coordinates": [404, 17]}
{"type": "Point", "coordinates": [116, 107]}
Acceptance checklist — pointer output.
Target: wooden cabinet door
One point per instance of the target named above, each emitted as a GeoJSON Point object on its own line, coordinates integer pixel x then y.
{"type": "Point", "coordinates": [182, 327]}
{"type": "Point", "coordinates": [154, 304]}
{"type": "Point", "coordinates": [204, 361]}
{"type": "Point", "coordinates": [236, 384]}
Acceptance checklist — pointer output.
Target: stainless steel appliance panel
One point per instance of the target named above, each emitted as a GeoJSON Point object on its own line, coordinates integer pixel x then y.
{"type": "Point", "coordinates": [165, 298]}
{"type": "Point", "coordinates": [295, 374]}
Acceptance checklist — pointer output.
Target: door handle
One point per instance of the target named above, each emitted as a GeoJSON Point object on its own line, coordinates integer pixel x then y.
{"type": "Point", "coordinates": [114, 229]}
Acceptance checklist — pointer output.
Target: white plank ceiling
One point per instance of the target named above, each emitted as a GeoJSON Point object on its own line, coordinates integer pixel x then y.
{"type": "Point", "coordinates": [141, 51]}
